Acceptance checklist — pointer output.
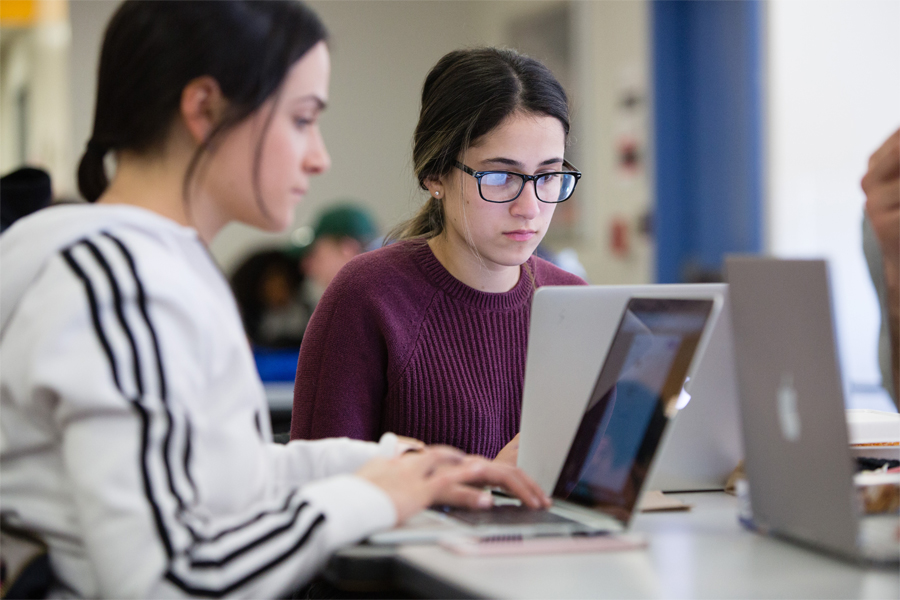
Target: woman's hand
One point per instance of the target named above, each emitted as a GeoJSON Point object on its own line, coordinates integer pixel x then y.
{"type": "Point", "coordinates": [442, 475]}
{"type": "Point", "coordinates": [478, 472]}
{"type": "Point", "coordinates": [509, 454]}
{"type": "Point", "coordinates": [408, 444]}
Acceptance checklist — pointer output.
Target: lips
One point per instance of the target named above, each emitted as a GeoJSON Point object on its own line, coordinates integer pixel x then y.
{"type": "Point", "coordinates": [520, 235]}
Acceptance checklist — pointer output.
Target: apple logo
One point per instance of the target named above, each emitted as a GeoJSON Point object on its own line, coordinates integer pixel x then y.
{"type": "Point", "coordinates": [684, 397]}
{"type": "Point", "coordinates": [788, 415]}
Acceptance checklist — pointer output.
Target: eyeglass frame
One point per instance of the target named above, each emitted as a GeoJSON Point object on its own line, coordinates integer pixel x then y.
{"type": "Point", "coordinates": [525, 179]}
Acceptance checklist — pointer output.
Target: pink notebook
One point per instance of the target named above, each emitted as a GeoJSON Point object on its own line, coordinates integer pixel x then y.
{"type": "Point", "coordinates": [516, 545]}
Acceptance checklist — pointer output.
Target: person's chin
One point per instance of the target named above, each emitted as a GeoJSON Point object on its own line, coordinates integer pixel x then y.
{"type": "Point", "coordinates": [279, 220]}
{"type": "Point", "coordinates": [521, 252]}
{"type": "Point", "coordinates": [276, 223]}
{"type": "Point", "coordinates": [514, 257]}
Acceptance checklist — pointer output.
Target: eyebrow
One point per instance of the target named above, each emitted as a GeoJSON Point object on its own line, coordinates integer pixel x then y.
{"type": "Point", "coordinates": [319, 102]}
{"type": "Point", "coordinates": [508, 162]}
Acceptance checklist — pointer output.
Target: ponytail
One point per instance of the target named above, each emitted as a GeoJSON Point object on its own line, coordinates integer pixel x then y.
{"type": "Point", "coordinates": [92, 180]}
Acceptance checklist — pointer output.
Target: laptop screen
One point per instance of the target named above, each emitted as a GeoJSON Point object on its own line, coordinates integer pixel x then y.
{"type": "Point", "coordinates": [633, 399]}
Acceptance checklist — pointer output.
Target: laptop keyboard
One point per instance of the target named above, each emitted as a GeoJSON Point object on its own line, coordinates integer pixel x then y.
{"type": "Point", "coordinates": [505, 514]}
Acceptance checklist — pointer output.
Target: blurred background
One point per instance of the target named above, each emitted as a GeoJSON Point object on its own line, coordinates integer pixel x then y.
{"type": "Point", "coordinates": [701, 127]}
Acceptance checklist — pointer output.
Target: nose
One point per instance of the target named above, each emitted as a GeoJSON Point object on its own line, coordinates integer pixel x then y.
{"type": "Point", "coordinates": [526, 206]}
{"type": "Point", "coordinates": [317, 159]}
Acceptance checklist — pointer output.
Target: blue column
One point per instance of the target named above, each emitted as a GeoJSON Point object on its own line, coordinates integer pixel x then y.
{"type": "Point", "coordinates": [708, 134]}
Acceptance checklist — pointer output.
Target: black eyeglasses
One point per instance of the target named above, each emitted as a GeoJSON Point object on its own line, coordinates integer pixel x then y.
{"type": "Point", "coordinates": [506, 186]}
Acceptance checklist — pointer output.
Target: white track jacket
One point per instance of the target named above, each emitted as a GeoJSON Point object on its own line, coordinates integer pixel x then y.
{"type": "Point", "coordinates": [134, 430]}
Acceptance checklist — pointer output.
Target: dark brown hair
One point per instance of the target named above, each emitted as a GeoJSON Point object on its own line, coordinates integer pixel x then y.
{"type": "Point", "coordinates": [466, 95]}
{"type": "Point", "coordinates": [152, 50]}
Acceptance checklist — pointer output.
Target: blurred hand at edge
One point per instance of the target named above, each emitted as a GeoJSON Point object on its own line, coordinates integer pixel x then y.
{"type": "Point", "coordinates": [881, 184]}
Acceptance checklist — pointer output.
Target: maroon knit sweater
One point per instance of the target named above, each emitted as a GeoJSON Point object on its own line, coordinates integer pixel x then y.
{"type": "Point", "coordinates": [399, 344]}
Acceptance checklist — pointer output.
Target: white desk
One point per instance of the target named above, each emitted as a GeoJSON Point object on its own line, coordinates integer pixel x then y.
{"type": "Point", "coordinates": [280, 395]}
{"type": "Point", "coordinates": [703, 553]}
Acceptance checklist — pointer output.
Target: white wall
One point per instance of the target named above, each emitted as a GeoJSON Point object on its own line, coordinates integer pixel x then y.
{"type": "Point", "coordinates": [33, 60]}
{"type": "Point", "coordinates": [834, 96]}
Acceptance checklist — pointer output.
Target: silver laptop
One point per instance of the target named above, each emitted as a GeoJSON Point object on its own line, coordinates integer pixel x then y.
{"type": "Point", "coordinates": [798, 463]}
{"type": "Point", "coordinates": [623, 419]}
{"type": "Point", "coordinates": [571, 330]}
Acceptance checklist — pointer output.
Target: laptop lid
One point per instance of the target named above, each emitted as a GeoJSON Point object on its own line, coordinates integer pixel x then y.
{"type": "Point", "coordinates": [571, 331]}
{"type": "Point", "coordinates": [620, 424]}
{"type": "Point", "coordinates": [635, 395]}
{"type": "Point", "coordinates": [798, 463]}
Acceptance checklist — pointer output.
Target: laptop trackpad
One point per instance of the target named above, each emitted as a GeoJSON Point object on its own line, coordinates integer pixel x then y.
{"type": "Point", "coordinates": [505, 514]}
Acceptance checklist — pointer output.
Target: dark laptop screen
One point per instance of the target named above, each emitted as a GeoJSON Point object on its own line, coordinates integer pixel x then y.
{"type": "Point", "coordinates": [633, 399]}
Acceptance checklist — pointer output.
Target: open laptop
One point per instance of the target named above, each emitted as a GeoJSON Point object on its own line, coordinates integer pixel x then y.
{"type": "Point", "coordinates": [798, 462]}
{"type": "Point", "coordinates": [571, 331]}
{"type": "Point", "coordinates": [622, 423]}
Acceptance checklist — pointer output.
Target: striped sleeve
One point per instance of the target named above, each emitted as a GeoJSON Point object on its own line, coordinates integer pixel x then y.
{"type": "Point", "coordinates": [149, 528]}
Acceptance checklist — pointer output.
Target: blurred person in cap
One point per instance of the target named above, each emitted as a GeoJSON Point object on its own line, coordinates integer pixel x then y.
{"type": "Point", "coordinates": [340, 232]}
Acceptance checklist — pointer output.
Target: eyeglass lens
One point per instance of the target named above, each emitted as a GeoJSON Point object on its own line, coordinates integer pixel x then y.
{"type": "Point", "coordinates": [500, 186]}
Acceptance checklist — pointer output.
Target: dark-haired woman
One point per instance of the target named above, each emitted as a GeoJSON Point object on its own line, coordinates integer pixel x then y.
{"type": "Point", "coordinates": [135, 440]}
{"type": "Point", "coordinates": [427, 337]}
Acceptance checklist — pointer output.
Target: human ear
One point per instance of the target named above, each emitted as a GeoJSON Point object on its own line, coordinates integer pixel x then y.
{"type": "Point", "coordinates": [435, 187]}
{"type": "Point", "coordinates": [202, 107]}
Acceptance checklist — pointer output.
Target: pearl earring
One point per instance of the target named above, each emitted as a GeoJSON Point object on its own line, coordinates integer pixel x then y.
{"type": "Point", "coordinates": [437, 194]}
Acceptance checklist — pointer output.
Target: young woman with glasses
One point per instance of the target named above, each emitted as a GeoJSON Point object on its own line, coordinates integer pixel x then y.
{"type": "Point", "coordinates": [427, 337]}
{"type": "Point", "coordinates": [136, 449]}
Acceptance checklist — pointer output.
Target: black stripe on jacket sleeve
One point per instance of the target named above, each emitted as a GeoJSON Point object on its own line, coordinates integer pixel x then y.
{"type": "Point", "coordinates": [192, 562]}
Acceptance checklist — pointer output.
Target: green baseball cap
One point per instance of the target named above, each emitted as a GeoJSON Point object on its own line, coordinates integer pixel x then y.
{"type": "Point", "coordinates": [341, 220]}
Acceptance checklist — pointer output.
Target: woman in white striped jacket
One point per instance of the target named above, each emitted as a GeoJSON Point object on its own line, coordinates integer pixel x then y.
{"type": "Point", "coordinates": [134, 438]}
